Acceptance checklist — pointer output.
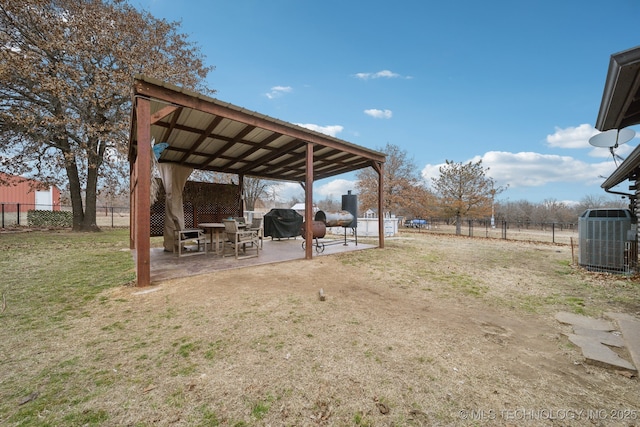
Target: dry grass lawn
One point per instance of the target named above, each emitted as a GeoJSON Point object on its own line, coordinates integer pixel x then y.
{"type": "Point", "coordinates": [432, 330]}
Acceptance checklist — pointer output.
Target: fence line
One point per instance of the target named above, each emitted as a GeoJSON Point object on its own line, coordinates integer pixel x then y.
{"type": "Point", "coordinates": [552, 232]}
{"type": "Point", "coordinates": [18, 215]}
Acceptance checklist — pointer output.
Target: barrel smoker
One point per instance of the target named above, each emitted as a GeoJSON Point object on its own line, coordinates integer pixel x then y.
{"type": "Point", "coordinates": [345, 218]}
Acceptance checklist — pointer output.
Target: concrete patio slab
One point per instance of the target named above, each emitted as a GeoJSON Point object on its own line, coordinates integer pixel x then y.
{"type": "Point", "coordinates": [167, 265]}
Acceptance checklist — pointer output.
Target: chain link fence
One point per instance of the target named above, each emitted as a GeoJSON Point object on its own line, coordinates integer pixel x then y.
{"type": "Point", "coordinates": [551, 232]}
{"type": "Point", "coordinates": [610, 257]}
{"type": "Point", "coordinates": [33, 215]}
{"type": "Point", "coordinates": [15, 215]}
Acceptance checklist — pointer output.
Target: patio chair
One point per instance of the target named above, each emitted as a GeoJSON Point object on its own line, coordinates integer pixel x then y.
{"type": "Point", "coordinates": [256, 225]}
{"type": "Point", "coordinates": [237, 239]}
{"type": "Point", "coordinates": [189, 235]}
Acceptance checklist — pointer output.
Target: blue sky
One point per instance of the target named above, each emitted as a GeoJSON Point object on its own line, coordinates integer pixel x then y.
{"type": "Point", "coordinates": [517, 84]}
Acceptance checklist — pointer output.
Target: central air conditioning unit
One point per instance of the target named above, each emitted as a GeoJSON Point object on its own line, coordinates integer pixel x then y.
{"type": "Point", "coordinates": [607, 240]}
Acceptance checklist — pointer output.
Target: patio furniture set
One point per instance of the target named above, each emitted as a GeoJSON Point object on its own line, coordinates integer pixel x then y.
{"type": "Point", "coordinates": [231, 237]}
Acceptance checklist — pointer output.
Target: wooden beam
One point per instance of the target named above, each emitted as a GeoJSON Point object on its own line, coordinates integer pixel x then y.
{"type": "Point", "coordinates": [211, 106]}
{"type": "Point", "coordinates": [203, 136]}
{"type": "Point", "coordinates": [379, 167]}
{"type": "Point", "coordinates": [308, 204]}
{"type": "Point", "coordinates": [142, 193]}
{"type": "Point", "coordinates": [132, 201]}
{"type": "Point", "coordinates": [172, 124]}
{"type": "Point", "coordinates": [241, 193]}
{"type": "Point", "coordinates": [132, 222]}
{"type": "Point", "coordinates": [161, 114]}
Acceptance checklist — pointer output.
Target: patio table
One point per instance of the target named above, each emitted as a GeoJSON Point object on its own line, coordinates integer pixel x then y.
{"type": "Point", "coordinates": [216, 229]}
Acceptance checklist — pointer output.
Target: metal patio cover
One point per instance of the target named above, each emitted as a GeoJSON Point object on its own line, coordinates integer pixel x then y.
{"type": "Point", "coordinates": [207, 134]}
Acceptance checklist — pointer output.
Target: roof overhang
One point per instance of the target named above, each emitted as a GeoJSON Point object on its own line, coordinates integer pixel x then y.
{"type": "Point", "coordinates": [208, 134]}
{"type": "Point", "coordinates": [620, 107]}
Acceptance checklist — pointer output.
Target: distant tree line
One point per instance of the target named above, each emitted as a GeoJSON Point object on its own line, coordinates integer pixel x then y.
{"type": "Point", "coordinates": [462, 191]}
{"type": "Point", "coordinates": [552, 211]}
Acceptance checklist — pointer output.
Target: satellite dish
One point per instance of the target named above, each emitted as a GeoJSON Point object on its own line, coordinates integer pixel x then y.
{"type": "Point", "coordinates": [612, 138]}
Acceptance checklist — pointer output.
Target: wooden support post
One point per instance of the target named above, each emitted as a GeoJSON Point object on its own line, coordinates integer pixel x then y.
{"type": "Point", "coordinates": [380, 169]}
{"type": "Point", "coordinates": [308, 204]}
{"type": "Point", "coordinates": [142, 193]}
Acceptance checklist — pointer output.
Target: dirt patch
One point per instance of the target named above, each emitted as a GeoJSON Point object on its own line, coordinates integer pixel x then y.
{"type": "Point", "coordinates": [429, 331]}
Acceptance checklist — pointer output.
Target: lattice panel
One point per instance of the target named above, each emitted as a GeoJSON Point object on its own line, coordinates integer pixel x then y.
{"type": "Point", "coordinates": [228, 211]}
{"type": "Point", "coordinates": [189, 209]}
{"type": "Point", "coordinates": [157, 218]}
{"type": "Point", "coordinates": [202, 202]}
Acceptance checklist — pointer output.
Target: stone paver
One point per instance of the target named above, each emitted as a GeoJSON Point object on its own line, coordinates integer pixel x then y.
{"type": "Point", "coordinates": [604, 337]}
{"type": "Point", "coordinates": [584, 321]}
{"type": "Point", "coordinates": [594, 335]}
{"type": "Point", "coordinates": [599, 354]}
{"type": "Point", "coordinates": [630, 328]}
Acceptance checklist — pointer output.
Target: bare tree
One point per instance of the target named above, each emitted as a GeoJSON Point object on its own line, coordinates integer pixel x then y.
{"type": "Point", "coordinates": [465, 191]}
{"type": "Point", "coordinates": [294, 200]}
{"type": "Point", "coordinates": [328, 204]}
{"type": "Point", "coordinates": [66, 69]}
{"type": "Point", "coordinates": [523, 213]}
{"type": "Point", "coordinates": [400, 184]}
{"type": "Point", "coordinates": [601, 201]}
{"type": "Point", "coordinates": [552, 211]}
{"type": "Point", "coordinates": [517, 212]}
{"type": "Point", "coordinates": [254, 190]}
{"type": "Point", "coordinates": [213, 177]}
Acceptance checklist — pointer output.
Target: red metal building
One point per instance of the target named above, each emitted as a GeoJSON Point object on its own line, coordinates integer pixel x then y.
{"type": "Point", "coordinates": [29, 193]}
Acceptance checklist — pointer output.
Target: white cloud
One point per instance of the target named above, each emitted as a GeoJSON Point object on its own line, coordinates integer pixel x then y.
{"type": "Point", "coordinates": [572, 137]}
{"type": "Point", "coordinates": [379, 114]}
{"type": "Point", "coordinates": [331, 130]}
{"type": "Point", "coordinates": [333, 189]}
{"type": "Point", "coordinates": [387, 74]}
{"type": "Point", "coordinates": [285, 191]}
{"type": "Point", "coordinates": [604, 153]}
{"type": "Point", "coordinates": [529, 169]}
{"type": "Point", "coordinates": [578, 137]}
{"type": "Point", "coordinates": [278, 91]}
